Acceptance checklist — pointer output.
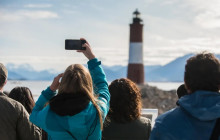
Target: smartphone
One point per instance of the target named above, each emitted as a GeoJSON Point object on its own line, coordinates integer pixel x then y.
{"type": "Point", "coordinates": [74, 44]}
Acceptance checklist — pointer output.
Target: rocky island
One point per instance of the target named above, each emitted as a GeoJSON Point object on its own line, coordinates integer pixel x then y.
{"type": "Point", "coordinates": [152, 97]}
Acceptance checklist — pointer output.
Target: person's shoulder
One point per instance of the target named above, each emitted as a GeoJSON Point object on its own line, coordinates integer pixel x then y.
{"type": "Point", "coordinates": [144, 120]}
{"type": "Point", "coordinates": [10, 100]}
{"type": "Point", "coordinates": [11, 104]}
{"type": "Point", "coordinates": [169, 115]}
{"type": "Point", "coordinates": [7, 100]}
{"type": "Point", "coordinates": [172, 118]}
{"type": "Point", "coordinates": [164, 124]}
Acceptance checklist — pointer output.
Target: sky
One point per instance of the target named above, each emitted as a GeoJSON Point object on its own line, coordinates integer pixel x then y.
{"type": "Point", "coordinates": [34, 31]}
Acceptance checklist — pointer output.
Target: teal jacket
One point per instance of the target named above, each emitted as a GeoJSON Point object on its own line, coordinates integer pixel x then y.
{"type": "Point", "coordinates": [193, 119]}
{"type": "Point", "coordinates": [82, 125]}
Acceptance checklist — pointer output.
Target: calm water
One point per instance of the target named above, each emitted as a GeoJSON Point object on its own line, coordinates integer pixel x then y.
{"type": "Point", "coordinates": [37, 86]}
{"type": "Point", "coordinates": [166, 85]}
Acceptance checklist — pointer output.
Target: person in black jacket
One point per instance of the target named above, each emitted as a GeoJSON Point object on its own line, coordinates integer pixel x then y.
{"type": "Point", "coordinates": [124, 118]}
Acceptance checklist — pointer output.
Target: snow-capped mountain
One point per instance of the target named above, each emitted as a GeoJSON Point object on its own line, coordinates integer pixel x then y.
{"type": "Point", "coordinates": [171, 72]}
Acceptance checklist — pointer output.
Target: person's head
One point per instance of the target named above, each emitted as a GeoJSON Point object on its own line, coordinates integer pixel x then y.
{"type": "Point", "coordinates": [202, 72]}
{"type": "Point", "coordinates": [125, 103]}
{"type": "Point", "coordinates": [24, 96]}
{"type": "Point", "coordinates": [3, 75]}
{"type": "Point", "coordinates": [77, 80]}
{"type": "Point", "coordinates": [181, 91]}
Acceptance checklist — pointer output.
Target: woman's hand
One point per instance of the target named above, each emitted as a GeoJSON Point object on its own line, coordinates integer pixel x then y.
{"type": "Point", "coordinates": [55, 84]}
{"type": "Point", "coordinates": [87, 52]}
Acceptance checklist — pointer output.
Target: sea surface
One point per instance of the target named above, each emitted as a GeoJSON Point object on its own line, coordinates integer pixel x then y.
{"type": "Point", "coordinates": [37, 86]}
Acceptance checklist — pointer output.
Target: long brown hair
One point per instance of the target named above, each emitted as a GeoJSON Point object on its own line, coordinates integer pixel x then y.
{"type": "Point", "coordinates": [125, 103]}
{"type": "Point", "coordinates": [24, 96]}
{"type": "Point", "coordinates": [77, 79]}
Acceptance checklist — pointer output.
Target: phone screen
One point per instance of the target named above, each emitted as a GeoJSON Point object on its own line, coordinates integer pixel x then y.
{"type": "Point", "coordinates": [71, 44]}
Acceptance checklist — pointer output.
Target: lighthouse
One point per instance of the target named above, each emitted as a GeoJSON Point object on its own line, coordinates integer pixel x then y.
{"type": "Point", "coordinates": [135, 63]}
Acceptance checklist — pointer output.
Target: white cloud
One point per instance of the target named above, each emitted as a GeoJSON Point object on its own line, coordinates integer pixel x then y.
{"type": "Point", "coordinates": [9, 17]}
{"type": "Point", "coordinates": [207, 12]}
{"type": "Point", "coordinates": [169, 2]}
{"type": "Point", "coordinates": [27, 14]}
{"type": "Point", "coordinates": [178, 28]}
{"type": "Point", "coordinates": [38, 14]}
{"type": "Point", "coordinates": [37, 5]}
{"type": "Point", "coordinates": [161, 50]}
{"type": "Point", "coordinates": [199, 5]}
{"type": "Point", "coordinates": [208, 19]}
{"type": "Point", "coordinates": [42, 62]}
{"type": "Point", "coordinates": [67, 11]}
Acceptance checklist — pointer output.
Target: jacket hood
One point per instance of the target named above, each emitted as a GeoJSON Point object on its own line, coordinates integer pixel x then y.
{"type": "Point", "coordinates": [203, 105]}
{"type": "Point", "coordinates": [69, 104]}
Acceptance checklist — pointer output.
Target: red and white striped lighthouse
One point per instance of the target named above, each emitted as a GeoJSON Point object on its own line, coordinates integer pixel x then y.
{"type": "Point", "coordinates": [135, 64]}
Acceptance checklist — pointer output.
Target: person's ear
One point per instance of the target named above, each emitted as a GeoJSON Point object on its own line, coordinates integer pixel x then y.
{"type": "Point", "coordinates": [187, 88]}
{"type": "Point", "coordinates": [219, 88]}
{"type": "Point", "coordinates": [5, 82]}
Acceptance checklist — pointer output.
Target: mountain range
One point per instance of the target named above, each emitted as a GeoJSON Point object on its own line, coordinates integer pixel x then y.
{"type": "Point", "coordinates": [171, 72]}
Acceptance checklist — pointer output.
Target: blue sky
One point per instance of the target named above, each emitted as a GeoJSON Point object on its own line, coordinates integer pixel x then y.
{"type": "Point", "coordinates": [33, 31]}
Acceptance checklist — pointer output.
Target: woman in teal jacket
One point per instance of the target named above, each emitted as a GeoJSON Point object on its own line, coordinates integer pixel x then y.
{"type": "Point", "coordinates": [81, 105]}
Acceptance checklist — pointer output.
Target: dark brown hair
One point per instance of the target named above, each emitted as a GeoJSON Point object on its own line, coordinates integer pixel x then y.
{"type": "Point", "coordinates": [125, 103]}
{"type": "Point", "coordinates": [202, 72]}
{"type": "Point", "coordinates": [181, 91]}
{"type": "Point", "coordinates": [24, 96]}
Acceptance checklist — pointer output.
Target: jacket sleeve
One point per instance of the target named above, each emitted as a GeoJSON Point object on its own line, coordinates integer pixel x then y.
{"type": "Point", "coordinates": [25, 129]}
{"type": "Point", "coordinates": [38, 112]}
{"type": "Point", "coordinates": [100, 84]}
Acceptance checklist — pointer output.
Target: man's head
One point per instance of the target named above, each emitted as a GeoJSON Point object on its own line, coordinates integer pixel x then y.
{"type": "Point", "coordinates": [181, 91]}
{"type": "Point", "coordinates": [202, 72]}
{"type": "Point", "coordinates": [3, 75]}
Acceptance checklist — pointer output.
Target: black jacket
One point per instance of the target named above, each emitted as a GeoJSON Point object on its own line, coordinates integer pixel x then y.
{"type": "Point", "coordinates": [136, 130]}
